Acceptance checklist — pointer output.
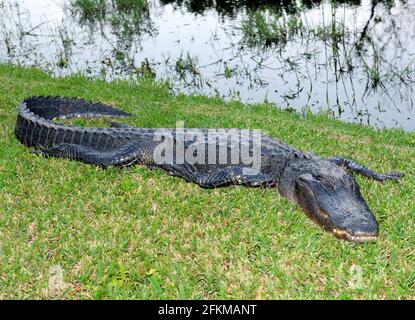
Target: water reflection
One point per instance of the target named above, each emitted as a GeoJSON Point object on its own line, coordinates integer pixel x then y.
{"type": "Point", "coordinates": [232, 8]}
{"type": "Point", "coordinates": [121, 23]}
{"type": "Point", "coordinates": [353, 59]}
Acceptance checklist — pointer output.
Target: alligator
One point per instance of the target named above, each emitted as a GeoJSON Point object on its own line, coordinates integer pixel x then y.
{"type": "Point", "coordinates": [323, 187]}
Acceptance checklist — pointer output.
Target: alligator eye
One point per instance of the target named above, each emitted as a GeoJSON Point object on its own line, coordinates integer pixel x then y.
{"type": "Point", "coordinates": [323, 181]}
{"type": "Point", "coordinates": [320, 178]}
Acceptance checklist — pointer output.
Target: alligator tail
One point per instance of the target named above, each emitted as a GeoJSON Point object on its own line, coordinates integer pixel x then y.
{"type": "Point", "coordinates": [34, 126]}
{"type": "Point", "coordinates": [52, 108]}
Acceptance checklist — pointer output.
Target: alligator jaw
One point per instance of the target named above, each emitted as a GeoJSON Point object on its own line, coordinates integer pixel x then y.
{"type": "Point", "coordinates": [359, 238]}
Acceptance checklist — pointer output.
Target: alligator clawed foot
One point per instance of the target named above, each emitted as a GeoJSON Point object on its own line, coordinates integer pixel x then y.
{"type": "Point", "coordinates": [394, 176]}
{"type": "Point", "coordinates": [119, 125]}
{"type": "Point", "coordinates": [38, 152]}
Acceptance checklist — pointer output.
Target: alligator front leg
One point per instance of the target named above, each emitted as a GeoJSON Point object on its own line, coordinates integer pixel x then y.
{"type": "Point", "coordinates": [355, 167]}
{"type": "Point", "coordinates": [222, 176]}
{"type": "Point", "coordinates": [128, 154]}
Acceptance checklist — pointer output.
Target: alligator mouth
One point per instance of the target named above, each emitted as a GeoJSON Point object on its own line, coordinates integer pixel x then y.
{"type": "Point", "coordinates": [358, 238]}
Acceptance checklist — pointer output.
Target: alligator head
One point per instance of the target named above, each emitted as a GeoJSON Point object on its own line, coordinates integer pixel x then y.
{"type": "Point", "coordinates": [331, 197]}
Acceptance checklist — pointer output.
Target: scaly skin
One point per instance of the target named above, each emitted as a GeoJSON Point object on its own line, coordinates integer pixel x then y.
{"type": "Point", "coordinates": [322, 187]}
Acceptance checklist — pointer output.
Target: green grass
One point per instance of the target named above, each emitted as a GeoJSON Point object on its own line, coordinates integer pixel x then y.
{"type": "Point", "coordinates": [69, 230]}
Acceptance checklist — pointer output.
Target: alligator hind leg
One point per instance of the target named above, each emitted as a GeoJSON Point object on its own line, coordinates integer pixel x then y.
{"type": "Point", "coordinates": [355, 167]}
{"type": "Point", "coordinates": [128, 154]}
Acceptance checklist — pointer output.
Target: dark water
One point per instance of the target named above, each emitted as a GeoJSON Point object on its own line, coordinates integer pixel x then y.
{"type": "Point", "coordinates": [352, 59]}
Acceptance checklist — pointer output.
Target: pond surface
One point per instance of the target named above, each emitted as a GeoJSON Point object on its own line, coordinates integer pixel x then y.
{"type": "Point", "coordinates": [351, 59]}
